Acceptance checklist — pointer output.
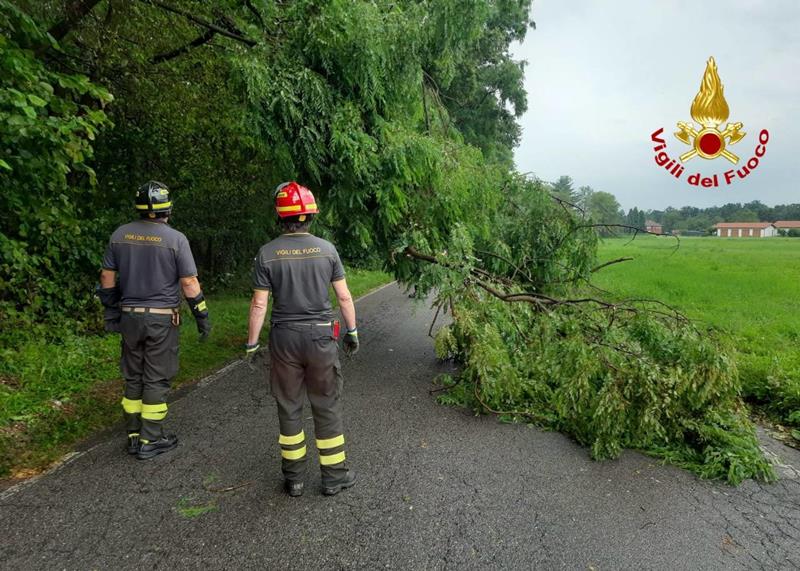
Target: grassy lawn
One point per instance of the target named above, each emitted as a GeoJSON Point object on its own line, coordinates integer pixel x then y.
{"type": "Point", "coordinates": [53, 393]}
{"type": "Point", "coordinates": [748, 287]}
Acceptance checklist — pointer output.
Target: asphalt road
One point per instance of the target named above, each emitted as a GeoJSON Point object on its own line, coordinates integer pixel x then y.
{"type": "Point", "coordinates": [438, 488]}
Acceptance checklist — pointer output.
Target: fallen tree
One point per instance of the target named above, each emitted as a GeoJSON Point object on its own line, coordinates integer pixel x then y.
{"type": "Point", "coordinates": [538, 343]}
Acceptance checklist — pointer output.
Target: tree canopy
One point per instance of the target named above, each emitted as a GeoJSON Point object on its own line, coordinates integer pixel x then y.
{"type": "Point", "coordinates": [399, 115]}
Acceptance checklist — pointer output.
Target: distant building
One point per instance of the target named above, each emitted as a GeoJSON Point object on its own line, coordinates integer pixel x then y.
{"type": "Point", "coordinates": [745, 230]}
{"type": "Point", "coordinates": [653, 227]}
{"type": "Point", "coordinates": [787, 224]}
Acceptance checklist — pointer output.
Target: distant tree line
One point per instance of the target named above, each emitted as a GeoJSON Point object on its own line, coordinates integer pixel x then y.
{"type": "Point", "coordinates": [703, 219]}
{"type": "Point", "coordinates": [603, 208]}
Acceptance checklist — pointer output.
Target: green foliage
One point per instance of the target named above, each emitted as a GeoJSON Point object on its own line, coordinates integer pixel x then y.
{"type": "Point", "coordinates": [564, 189]}
{"type": "Point", "coordinates": [603, 208]}
{"type": "Point", "coordinates": [758, 307]}
{"type": "Point", "coordinates": [613, 376]}
{"type": "Point", "coordinates": [636, 219]}
{"type": "Point", "coordinates": [631, 383]}
{"type": "Point", "coordinates": [398, 115]}
{"type": "Point", "coordinates": [48, 120]}
{"type": "Point", "coordinates": [445, 344]}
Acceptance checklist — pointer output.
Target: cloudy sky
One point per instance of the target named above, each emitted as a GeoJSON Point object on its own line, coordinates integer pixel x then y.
{"type": "Point", "coordinates": [603, 75]}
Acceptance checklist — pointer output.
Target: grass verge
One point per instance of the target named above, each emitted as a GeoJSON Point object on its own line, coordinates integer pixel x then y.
{"type": "Point", "coordinates": [59, 387]}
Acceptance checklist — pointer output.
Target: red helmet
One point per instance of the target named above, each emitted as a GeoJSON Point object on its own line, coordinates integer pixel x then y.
{"type": "Point", "coordinates": [291, 199]}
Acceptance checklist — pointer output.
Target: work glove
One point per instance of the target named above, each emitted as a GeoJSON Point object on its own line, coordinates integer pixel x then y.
{"type": "Point", "coordinates": [350, 342]}
{"type": "Point", "coordinates": [203, 327]}
{"type": "Point", "coordinates": [250, 352]}
{"type": "Point", "coordinates": [110, 298]}
{"type": "Point", "coordinates": [200, 311]}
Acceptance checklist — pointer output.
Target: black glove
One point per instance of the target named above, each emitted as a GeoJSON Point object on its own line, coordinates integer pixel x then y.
{"type": "Point", "coordinates": [111, 319]}
{"type": "Point", "coordinates": [200, 312]}
{"type": "Point", "coordinates": [203, 327]}
{"type": "Point", "coordinates": [110, 298]}
{"type": "Point", "coordinates": [350, 342]}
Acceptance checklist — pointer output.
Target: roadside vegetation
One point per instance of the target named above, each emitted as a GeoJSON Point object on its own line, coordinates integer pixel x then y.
{"type": "Point", "coordinates": [750, 289]}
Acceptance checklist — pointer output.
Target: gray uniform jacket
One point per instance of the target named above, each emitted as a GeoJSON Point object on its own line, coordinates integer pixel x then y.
{"type": "Point", "coordinates": [150, 257]}
{"type": "Point", "coordinates": [298, 269]}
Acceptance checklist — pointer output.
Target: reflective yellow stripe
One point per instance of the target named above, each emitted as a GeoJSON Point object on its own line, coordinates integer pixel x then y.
{"type": "Point", "coordinates": [131, 406]}
{"type": "Point", "coordinates": [281, 194]}
{"type": "Point", "coordinates": [332, 459]}
{"type": "Point", "coordinates": [294, 454]}
{"type": "Point", "coordinates": [161, 206]}
{"type": "Point", "coordinates": [330, 442]}
{"type": "Point", "coordinates": [289, 440]}
{"type": "Point", "coordinates": [160, 407]}
{"type": "Point", "coordinates": [201, 306]}
{"type": "Point", "coordinates": [154, 411]}
{"type": "Point", "coordinates": [297, 207]}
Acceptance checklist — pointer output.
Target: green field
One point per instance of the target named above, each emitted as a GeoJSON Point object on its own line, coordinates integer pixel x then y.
{"type": "Point", "coordinates": [748, 287]}
{"type": "Point", "coordinates": [58, 387]}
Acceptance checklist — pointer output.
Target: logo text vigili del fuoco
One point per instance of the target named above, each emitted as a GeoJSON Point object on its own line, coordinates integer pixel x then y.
{"type": "Point", "coordinates": [708, 141]}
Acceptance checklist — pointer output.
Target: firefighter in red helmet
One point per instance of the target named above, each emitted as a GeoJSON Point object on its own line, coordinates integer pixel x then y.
{"type": "Point", "coordinates": [297, 268]}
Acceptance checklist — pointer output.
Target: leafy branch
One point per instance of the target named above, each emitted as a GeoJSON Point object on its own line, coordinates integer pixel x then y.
{"type": "Point", "coordinates": [202, 22]}
{"type": "Point", "coordinates": [203, 38]}
{"type": "Point", "coordinates": [478, 277]}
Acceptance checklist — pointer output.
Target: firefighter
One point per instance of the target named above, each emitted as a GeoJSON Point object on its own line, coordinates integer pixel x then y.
{"type": "Point", "coordinates": [297, 268]}
{"type": "Point", "coordinates": [154, 262]}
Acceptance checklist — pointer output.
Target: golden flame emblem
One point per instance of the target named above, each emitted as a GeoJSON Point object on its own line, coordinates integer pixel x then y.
{"type": "Point", "coordinates": [710, 110]}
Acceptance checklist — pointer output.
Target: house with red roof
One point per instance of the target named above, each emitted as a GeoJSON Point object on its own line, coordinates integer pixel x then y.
{"type": "Point", "coordinates": [787, 224]}
{"type": "Point", "coordinates": [745, 230]}
{"type": "Point", "coordinates": [653, 227]}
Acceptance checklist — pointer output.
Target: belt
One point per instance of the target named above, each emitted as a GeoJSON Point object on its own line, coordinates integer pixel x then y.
{"type": "Point", "coordinates": [156, 310]}
{"type": "Point", "coordinates": [300, 324]}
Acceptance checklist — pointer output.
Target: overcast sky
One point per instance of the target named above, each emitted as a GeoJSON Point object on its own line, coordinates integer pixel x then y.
{"type": "Point", "coordinates": [603, 75]}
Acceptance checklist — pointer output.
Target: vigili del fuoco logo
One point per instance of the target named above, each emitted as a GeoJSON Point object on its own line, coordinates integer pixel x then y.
{"type": "Point", "coordinates": [708, 141]}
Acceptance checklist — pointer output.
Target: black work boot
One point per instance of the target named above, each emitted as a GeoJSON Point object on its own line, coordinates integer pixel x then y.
{"type": "Point", "coordinates": [133, 443]}
{"type": "Point", "coordinates": [156, 447]}
{"type": "Point", "coordinates": [294, 489]}
{"type": "Point", "coordinates": [348, 481]}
